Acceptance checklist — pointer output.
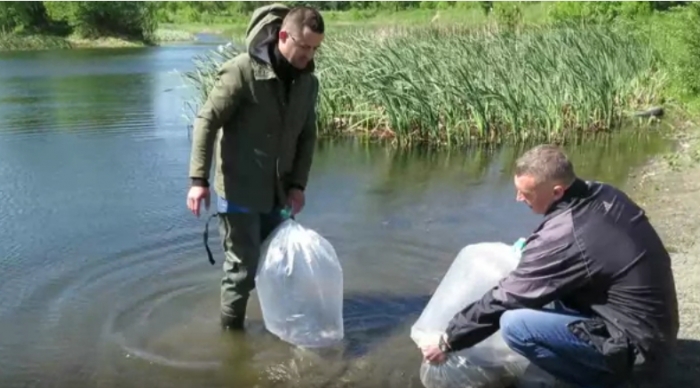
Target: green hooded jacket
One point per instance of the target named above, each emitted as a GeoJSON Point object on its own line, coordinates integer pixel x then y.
{"type": "Point", "coordinates": [263, 143]}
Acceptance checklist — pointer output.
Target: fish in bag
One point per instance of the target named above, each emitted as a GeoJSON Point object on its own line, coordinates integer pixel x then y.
{"type": "Point", "coordinates": [299, 283]}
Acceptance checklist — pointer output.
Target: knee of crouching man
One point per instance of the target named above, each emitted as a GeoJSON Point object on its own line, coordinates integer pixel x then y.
{"type": "Point", "coordinates": [513, 328]}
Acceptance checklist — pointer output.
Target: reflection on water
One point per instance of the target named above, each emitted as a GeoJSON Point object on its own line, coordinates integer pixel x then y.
{"type": "Point", "coordinates": [104, 280]}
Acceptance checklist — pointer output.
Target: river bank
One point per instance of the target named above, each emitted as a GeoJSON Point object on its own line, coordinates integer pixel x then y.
{"type": "Point", "coordinates": [667, 188]}
{"type": "Point", "coordinates": [17, 42]}
{"type": "Point", "coordinates": [12, 42]}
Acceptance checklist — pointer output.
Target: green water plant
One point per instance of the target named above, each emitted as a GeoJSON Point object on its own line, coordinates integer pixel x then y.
{"type": "Point", "coordinates": [453, 85]}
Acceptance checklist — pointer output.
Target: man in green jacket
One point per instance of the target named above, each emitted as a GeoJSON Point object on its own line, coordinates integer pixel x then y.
{"type": "Point", "coordinates": [259, 121]}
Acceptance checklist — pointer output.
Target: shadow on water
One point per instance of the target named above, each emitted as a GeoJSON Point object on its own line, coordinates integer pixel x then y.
{"type": "Point", "coordinates": [394, 361]}
{"type": "Point", "coordinates": [605, 157]}
{"type": "Point", "coordinates": [79, 104]}
{"type": "Point", "coordinates": [376, 352]}
{"type": "Point", "coordinates": [371, 318]}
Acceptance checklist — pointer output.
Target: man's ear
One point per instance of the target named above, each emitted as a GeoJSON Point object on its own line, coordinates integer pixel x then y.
{"type": "Point", "coordinates": [558, 191]}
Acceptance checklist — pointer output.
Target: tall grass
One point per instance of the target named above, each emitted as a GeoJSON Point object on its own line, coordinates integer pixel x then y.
{"type": "Point", "coordinates": [203, 75]}
{"type": "Point", "coordinates": [452, 86]}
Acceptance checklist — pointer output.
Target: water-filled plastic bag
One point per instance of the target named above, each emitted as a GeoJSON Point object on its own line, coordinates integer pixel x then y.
{"type": "Point", "coordinates": [491, 363]}
{"type": "Point", "coordinates": [299, 283]}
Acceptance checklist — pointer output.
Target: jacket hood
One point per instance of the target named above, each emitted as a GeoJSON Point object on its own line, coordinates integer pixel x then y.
{"type": "Point", "coordinates": [262, 30]}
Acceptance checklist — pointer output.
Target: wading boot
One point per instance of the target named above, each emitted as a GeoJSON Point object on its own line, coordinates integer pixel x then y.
{"type": "Point", "coordinates": [229, 322]}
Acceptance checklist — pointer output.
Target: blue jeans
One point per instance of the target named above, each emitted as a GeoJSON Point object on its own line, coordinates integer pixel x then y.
{"type": "Point", "coordinates": [542, 337]}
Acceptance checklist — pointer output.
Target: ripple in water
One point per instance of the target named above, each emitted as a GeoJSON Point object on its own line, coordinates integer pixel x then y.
{"type": "Point", "coordinates": [157, 305]}
{"type": "Point", "coordinates": [172, 327]}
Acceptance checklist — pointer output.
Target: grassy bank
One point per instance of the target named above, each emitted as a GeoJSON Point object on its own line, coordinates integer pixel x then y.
{"type": "Point", "coordinates": [234, 24]}
{"type": "Point", "coordinates": [453, 86]}
{"type": "Point", "coordinates": [11, 42]}
{"type": "Point", "coordinates": [675, 36]}
{"type": "Point", "coordinates": [226, 28]}
{"type": "Point", "coordinates": [15, 42]}
{"type": "Point", "coordinates": [167, 34]}
{"type": "Point", "coordinates": [472, 15]}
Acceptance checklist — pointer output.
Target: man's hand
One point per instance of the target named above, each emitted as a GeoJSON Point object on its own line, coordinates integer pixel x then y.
{"type": "Point", "coordinates": [433, 354]}
{"type": "Point", "coordinates": [296, 200]}
{"type": "Point", "coordinates": [195, 197]}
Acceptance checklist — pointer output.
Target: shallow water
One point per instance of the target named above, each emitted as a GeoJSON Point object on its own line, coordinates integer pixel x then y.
{"type": "Point", "coordinates": [104, 280]}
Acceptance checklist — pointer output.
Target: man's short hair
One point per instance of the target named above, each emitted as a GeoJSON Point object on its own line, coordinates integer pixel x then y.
{"type": "Point", "coordinates": [304, 16]}
{"type": "Point", "coordinates": [546, 163]}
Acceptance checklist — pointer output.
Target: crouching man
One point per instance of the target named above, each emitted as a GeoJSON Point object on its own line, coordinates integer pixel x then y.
{"type": "Point", "coordinates": [598, 261]}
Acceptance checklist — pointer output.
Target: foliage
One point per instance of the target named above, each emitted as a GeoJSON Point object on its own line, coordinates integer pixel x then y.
{"type": "Point", "coordinates": [21, 16]}
{"type": "Point", "coordinates": [106, 18]}
{"type": "Point", "coordinates": [508, 15]}
{"type": "Point", "coordinates": [598, 11]}
{"type": "Point", "coordinates": [675, 35]}
{"type": "Point", "coordinates": [134, 20]}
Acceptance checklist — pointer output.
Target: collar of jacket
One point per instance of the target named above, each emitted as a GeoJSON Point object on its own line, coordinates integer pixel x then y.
{"type": "Point", "coordinates": [576, 191]}
{"type": "Point", "coordinates": [281, 65]}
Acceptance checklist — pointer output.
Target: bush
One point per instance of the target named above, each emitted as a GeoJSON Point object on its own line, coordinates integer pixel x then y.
{"type": "Point", "coordinates": [135, 20]}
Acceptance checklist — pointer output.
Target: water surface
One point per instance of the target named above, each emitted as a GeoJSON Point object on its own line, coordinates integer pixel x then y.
{"type": "Point", "coordinates": [104, 280]}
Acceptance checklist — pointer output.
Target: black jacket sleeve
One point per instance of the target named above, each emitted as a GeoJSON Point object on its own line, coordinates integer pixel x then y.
{"type": "Point", "coordinates": [552, 265]}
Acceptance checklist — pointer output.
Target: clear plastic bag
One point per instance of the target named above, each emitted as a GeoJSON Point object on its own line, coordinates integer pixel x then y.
{"type": "Point", "coordinates": [299, 283]}
{"type": "Point", "coordinates": [491, 363]}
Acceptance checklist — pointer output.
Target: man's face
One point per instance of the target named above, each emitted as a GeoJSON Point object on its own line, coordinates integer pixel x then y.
{"type": "Point", "coordinates": [539, 197]}
{"type": "Point", "coordinates": [299, 46]}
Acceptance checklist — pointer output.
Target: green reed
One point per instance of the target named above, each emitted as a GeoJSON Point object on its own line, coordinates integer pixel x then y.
{"type": "Point", "coordinates": [453, 86]}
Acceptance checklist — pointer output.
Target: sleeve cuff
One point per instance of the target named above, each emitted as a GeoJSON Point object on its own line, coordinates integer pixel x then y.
{"type": "Point", "coordinates": [444, 344]}
{"type": "Point", "coordinates": [296, 186]}
{"type": "Point", "coordinates": [199, 182]}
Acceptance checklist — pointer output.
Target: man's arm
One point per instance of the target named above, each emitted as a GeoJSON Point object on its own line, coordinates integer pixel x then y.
{"type": "Point", "coordinates": [222, 101]}
{"type": "Point", "coordinates": [305, 145]}
{"type": "Point", "coordinates": [551, 267]}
